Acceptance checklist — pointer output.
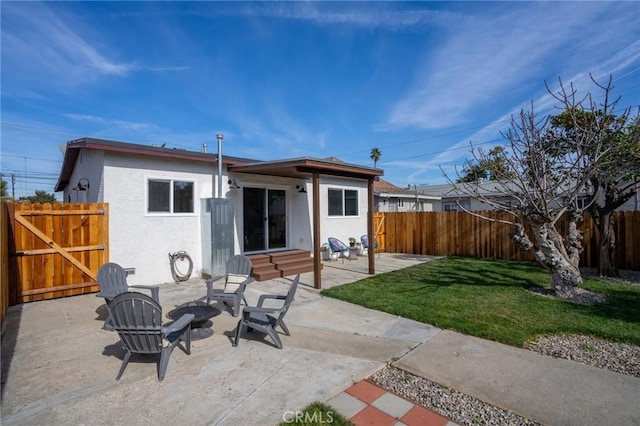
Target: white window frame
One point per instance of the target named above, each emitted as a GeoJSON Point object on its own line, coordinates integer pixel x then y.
{"type": "Point", "coordinates": [582, 201]}
{"type": "Point", "coordinates": [343, 198]}
{"type": "Point", "coordinates": [171, 182]}
{"type": "Point", "coordinates": [449, 206]}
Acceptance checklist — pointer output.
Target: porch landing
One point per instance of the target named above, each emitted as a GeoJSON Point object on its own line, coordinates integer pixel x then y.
{"type": "Point", "coordinates": [268, 266]}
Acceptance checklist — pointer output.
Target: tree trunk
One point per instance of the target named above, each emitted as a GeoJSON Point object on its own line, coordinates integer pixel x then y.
{"type": "Point", "coordinates": [607, 246]}
{"type": "Point", "coordinates": [565, 279]}
{"type": "Point", "coordinates": [551, 253]}
{"type": "Point", "coordinates": [574, 237]}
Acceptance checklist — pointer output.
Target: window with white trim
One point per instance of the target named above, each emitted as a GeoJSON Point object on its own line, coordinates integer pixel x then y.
{"type": "Point", "coordinates": [450, 207]}
{"type": "Point", "coordinates": [582, 202]}
{"type": "Point", "coordinates": [343, 202]}
{"type": "Point", "coordinates": [169, 196]}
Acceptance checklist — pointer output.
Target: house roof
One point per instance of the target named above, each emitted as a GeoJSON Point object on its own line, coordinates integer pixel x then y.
{"type": "Point", "coordinates": [298, 167]}
{"type": "Point", "coordinates": [383, 188]}
{"type": "Point", "coordinates": [73, 150]}
{"type": "Point", "coordinates": [487, 188]}
{"type": "Point", "coordinates": [305, 167]}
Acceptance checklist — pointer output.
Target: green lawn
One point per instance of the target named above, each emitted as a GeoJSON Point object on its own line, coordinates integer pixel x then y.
{"type": "Point", "coordinates": [488, 299]}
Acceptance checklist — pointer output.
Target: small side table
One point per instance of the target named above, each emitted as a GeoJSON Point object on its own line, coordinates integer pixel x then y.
{"type": "Point", "coordinates": [353, 253]}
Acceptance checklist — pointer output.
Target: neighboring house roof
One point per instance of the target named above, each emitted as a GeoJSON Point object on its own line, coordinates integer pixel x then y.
{"type": "Point", "coordinates": [300, 167]}
{"type": "Point", "coordinates": [487, 188]}
{"type": "Point", "coordinates": [382, 188]}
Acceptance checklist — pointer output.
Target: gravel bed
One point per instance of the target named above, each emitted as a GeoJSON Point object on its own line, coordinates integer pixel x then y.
{"type": "Point", "coordinates": [626, 276]}
{"type": "Point", "coordinates": [461, 408]}
{"type": "Point", "coordinates": [619, 357]}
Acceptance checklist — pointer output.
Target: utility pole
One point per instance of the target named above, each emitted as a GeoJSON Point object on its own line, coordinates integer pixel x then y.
{"type": "Point", "coordinates": [13, 185]}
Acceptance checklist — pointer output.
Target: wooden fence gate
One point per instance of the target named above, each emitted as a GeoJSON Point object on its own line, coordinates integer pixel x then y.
{"type": "Point", "coordinates": [55, 250]}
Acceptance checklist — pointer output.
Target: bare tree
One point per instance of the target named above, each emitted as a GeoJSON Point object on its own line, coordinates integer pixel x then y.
{"type": "Point", "coordinates": [617, 177]}
{"type": "Point", "coordinates": [543, 186]}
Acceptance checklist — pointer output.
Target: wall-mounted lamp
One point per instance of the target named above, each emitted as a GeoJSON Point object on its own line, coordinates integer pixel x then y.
{"type": "Point", "coordinates": [301, 189]}
{"type": "Point", "coordinates": [233, 184]}
{"type": "Point", "coordinates": [83, 185]}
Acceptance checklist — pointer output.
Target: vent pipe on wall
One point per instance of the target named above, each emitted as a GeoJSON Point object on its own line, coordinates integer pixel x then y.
{"type": "Point", "coordinates": [219, 136]}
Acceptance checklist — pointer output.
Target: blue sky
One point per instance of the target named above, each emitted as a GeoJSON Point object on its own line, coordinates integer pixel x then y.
{"type": "Point", "coordinates": [418, 80]}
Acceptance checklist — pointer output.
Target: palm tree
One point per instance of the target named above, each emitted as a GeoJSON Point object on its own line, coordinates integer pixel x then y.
{"type": "Point", "coordinates": [375, 156]}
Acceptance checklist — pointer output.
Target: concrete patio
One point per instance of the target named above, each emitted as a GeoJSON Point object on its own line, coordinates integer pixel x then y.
{"type": "Point", "coordinates": [59, 366]}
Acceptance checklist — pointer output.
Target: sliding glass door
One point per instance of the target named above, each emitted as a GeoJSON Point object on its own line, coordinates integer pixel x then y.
{"type": "Point", "coordinates": [264, 219]}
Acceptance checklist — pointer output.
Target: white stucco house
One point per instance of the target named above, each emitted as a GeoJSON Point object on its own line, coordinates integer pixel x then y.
{"type": "Point", "coordinates": [392, 198]}
{"type": "Point", "coordinates": [161, 201]}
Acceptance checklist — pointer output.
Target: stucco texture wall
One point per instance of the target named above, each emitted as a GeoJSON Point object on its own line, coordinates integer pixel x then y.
{"type": "Point", "coordinates": [141, 240]}
{"type": "Point", "coordinates": [343, 227]}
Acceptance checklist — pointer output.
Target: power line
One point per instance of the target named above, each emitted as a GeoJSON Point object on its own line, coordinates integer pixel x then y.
{"type": "Point", "coordinates": [31, 158]}
{"type": "Point", "coordinates": [42, 129]}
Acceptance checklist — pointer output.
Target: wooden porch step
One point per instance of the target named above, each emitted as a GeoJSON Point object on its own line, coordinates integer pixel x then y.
{"type": "Point", "coordinates": [280, 264]}
{"type": "Point", "coordinates": [266, 275]}
{"type": "Point", "coordinates": [260, 259]}
{"type": "Point", "coordinates": [295, 266]}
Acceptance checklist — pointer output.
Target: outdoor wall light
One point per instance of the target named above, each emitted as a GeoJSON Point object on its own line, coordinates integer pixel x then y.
{"type": "Point", "coordinates": [233, 184]}
{"type": "Point", "coordinates": [83, 185]}
{"type": "Point", "coordinates": [301, 189]}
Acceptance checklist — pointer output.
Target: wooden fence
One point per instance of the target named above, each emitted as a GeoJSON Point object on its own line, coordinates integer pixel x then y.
{"type": "Point", "coordinates": [463, 234]}
{"type": "Point", "coordinates": [54, 250]}
{"type": "Point", "coordinates": [4, 260]}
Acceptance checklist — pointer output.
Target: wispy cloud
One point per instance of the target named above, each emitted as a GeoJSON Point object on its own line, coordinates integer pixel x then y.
{"type": "Point", "coordinates": [115, 124]}
{"type": "Point", "coordinates": [54, 47]}
{"type": "Point", "coordinates": [35, 32]}
{"type": "Point", "coordinates": [486, 57]}
{"type": "Point", "coordinates": [545, 104]}
{"type": "Point", "coordinates": [374, 15]}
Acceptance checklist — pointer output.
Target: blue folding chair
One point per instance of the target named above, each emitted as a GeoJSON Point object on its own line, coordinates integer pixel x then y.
{"type": "Point", "coordinates": [338, 249]}
{"type": "Point", "coordinates": [365, 245]}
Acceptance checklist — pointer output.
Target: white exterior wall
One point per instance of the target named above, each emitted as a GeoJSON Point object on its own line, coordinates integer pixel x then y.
{"type": "Point", "coordinates": [383, 204]}
{"type": "Point", "coordinates": [141, 240]}
{"type": "Point", "coordinates": [298, 208]}
{"type": "Point", "coordinates": [631, 204]}
{"type": "Point", "coordinates": [342, 227]}
{"type": "Point", "coordinates": [89, 166]}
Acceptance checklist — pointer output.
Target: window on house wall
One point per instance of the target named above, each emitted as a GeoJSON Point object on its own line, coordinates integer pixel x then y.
{"type": "Point", "coordinates": [400, 202]}
{"type": "Point", "coordinates": [582, 202]}
{"type": "Point", "coordinates": [450, 207]}
{"type": "Point", "coordinates": [170, 196]}
{"type": "Point", "coordinates": [343, 202]}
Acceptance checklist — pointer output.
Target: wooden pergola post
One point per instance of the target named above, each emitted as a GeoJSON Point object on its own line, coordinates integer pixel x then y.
{"type": "Point", "coordinates": [317, 265]}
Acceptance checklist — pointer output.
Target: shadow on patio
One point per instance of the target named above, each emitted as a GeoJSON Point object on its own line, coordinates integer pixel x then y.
{"type": "Point", "coordinates": [59, 366]}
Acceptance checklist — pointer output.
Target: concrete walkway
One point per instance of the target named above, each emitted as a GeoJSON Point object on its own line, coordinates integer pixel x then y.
{"type": "Point", "coordinates": [59, 366]}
